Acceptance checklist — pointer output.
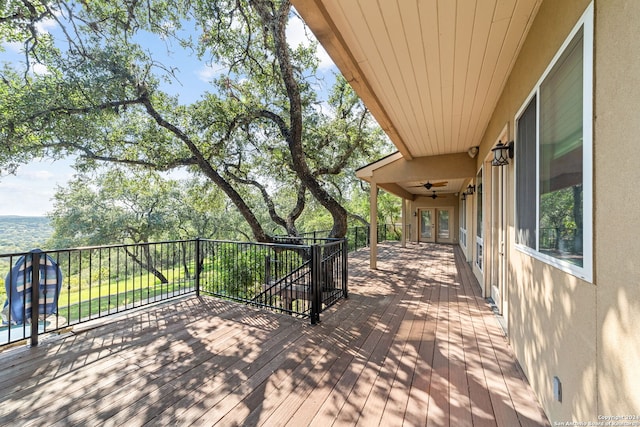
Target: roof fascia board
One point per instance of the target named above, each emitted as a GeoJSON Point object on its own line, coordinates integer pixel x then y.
{"type": "Point", "coordinates": [367, 171]}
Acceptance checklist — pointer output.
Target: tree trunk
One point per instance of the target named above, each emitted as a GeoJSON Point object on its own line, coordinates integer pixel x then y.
{"type": "Point", "coordinates": [277, 23]}
{"type": "Point", "coordinates": [147, 264]}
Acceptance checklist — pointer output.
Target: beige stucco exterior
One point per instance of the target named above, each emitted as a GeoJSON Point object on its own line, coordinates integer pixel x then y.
{"type": "Point", "coordinates": [551, 314]}
{"type": "Point", "coordinates": [584, 331]}
{"type": "Point", "coordinates": [617, 222]}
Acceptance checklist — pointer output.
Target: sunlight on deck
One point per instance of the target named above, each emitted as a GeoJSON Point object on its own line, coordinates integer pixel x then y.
{"type": "Point", "coordinates": [414, 344]}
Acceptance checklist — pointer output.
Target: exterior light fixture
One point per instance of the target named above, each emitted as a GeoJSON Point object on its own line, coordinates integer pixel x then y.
{"type": "Point", "coordinates": [502, 153]}
{"type": "Point", "coordinates": [470, 190]}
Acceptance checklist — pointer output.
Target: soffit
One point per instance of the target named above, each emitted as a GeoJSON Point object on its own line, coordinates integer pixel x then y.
{"type": "Point", "coordinates": [422, 176]}
{"type": "Point", "coordinates": [430, 71]}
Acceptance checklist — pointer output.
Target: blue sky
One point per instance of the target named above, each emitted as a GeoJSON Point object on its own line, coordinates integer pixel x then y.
{"type": "Point", "coordinates": [30, 190]}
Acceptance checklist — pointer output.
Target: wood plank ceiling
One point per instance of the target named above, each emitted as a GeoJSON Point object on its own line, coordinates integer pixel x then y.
{"type": "Point", "coordinates": [431, 71]}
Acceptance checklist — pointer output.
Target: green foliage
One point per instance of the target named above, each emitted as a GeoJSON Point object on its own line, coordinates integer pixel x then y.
{"type": "Point", "coordinates": [557, 210]}
{"type": "Point", "coordinates": [115, 207]}
{"type": "Point", "coordinates": [21, 234]}
{"type": "Point", "coordinates": [238, 272]}
{"type": "Point", "coordinates": [99, 93]}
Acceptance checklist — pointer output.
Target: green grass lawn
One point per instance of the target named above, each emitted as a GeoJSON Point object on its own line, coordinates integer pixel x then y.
{"type": "Point", "coordinates": [107, 303]}
{"type": "Point", "coordinates": [103, 295]}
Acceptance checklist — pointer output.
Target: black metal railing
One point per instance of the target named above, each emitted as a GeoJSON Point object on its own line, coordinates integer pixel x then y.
{"type": "Point", "coordinates": [300, 276]}
{"type": "Point", "coordinates": [82, 284]}
{"type": "Point", "coordinates": [358, 237]}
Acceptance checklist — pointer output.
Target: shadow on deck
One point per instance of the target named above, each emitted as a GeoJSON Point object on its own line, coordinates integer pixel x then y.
{"type": "Point", "coordinates": [414, 344]}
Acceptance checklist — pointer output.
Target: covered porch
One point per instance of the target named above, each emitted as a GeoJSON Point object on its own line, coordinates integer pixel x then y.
{"type": "Point", "coordinates": [414, 344]}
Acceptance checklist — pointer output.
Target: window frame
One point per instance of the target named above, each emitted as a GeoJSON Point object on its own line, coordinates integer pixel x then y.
{"type": "Point", "coordinates": [479, 219]}
{"type": "Point", "coordinates": [585, 272]}
{"type": "Point", "coordinates": [463, 221]}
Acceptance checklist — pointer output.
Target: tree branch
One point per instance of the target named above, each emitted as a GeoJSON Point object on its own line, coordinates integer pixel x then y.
{"type": "Point", "coordinates": [89, 154]}
{"type": "Point", "coordinates": [248, 118]}
{"type": "Point", "coordinates": [300, 203]}
{"type": "Point", "coordinates": [276, 23]}
{"type": "Point", "coordinates": [258, 232]}
{"type": "Point", "coordinates": [359, 218]}
{"type": "Point", "coordinates": [84, 110]}
{"type": "Point", "coordinates": [342, 160]}
{"type": "Point", "coordinates": [265, 196]}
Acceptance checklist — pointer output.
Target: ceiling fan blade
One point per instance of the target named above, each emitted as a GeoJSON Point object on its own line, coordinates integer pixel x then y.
{"type": "Point", "coordinates": [428, 185]}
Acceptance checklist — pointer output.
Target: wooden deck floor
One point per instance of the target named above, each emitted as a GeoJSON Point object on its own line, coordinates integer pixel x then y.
{"type": "Point", "coordinates": [413, 345]}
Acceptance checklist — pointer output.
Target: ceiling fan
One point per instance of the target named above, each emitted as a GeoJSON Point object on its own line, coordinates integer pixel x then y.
{"type": "Point", "coordinates": [428, 185]}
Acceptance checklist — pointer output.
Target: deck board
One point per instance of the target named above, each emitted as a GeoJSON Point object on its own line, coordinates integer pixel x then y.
{"type": "Point", "coordinates": [415, 344]}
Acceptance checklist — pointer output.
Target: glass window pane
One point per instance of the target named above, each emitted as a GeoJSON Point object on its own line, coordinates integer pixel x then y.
{"type": "Point", "coordinates": [463, 214]}
{"type": "Point", "coordinates": [479, 202]}
{"type": "Point", "coordinates": [561, 171]}
{"type": "Point", "coordinates": [443, 224]}
{"type": "Point", "coordinates": [525, 160]}
{"type": "Point", "coordinates": [425, 224]}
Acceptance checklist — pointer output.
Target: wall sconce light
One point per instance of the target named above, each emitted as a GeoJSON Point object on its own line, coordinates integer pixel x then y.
{"type": "Point", "coordinates": [470, 190]}
{"type": "Point", "coordinates": [502, 153]}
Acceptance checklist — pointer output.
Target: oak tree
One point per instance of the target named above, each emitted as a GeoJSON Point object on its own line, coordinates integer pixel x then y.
{"type": "Point", "coordinates": [100, 84]}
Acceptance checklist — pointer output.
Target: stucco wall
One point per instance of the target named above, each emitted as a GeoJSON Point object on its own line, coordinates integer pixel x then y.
{"type": "Point", "coordinates": [551, 314]}
{"type": "Point", "coordinates": [617, 207]}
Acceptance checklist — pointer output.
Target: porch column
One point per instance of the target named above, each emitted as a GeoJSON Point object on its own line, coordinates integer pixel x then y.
{"type": "Point", "coordinates": [373, 228]}
{"type": "Point", "coordinates": [403, 229]}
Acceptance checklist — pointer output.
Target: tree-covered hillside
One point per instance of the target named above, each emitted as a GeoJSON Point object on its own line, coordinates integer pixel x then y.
{"type": "Point", "coordinates": [23, 233]}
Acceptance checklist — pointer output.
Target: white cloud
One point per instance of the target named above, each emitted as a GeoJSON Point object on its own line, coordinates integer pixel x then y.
{"type": "Point", "coordinates": [38, 174]}
{"type": "Point", "coordinates": [30, 190]}
{"type": "Point", "coordinates": [15, 47]}
{"type": "Point", "coordinates": [299, 34]}
{"type": "Point", "coordinates": [209, 72]}
{"type": "Point", "coordinates": [326, 62]}
{"type": "Point", "coordinates": [46, 25]}
{"type": "Point", "coordinates": [40, 69]}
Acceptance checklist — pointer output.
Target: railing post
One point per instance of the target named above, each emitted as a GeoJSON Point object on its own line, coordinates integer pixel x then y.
{"type": "Point", "coordinates": [345, 268]}
{"type": "Point", "coordinates": [267, 270]}
{"type": "Point", "coordinates": [316, 291]}
{"type": "Point", "coordinates": [35, 296]}
{"type": "Point", "coordinates": [198, 266]}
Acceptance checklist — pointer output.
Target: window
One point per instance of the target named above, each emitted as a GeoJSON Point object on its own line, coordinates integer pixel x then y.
{"type": "Point", "coordinates": [553, 159]}
{"type": "Point", "coordinates": [479, 202]}
{"type": "Point", "coordinates": [525, 159]}
{"type": "Point", "coordinates": [480, 227]}
{"type": "Point", "coordinates": [463, 222]}
{"type": "Point", "coordinates": [443, 224]}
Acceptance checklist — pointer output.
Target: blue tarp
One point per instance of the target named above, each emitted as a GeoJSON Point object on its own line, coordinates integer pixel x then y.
{"type": "Point", "coordinates": [18, 287]}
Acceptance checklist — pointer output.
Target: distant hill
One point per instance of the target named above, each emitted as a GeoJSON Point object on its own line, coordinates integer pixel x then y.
{"type": "Point", "coordinates": [23, 233]}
